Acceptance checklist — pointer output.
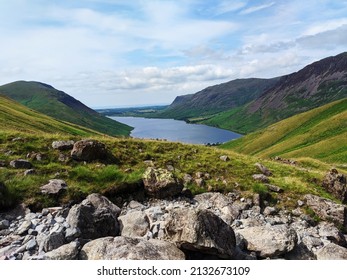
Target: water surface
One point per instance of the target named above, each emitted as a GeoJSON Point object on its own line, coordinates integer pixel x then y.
{"type": "Point", "coordinates": [174, 130]}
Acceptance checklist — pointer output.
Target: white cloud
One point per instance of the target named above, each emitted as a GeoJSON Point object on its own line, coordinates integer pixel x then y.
{"type": "Point", "coordinates": [254, 9]}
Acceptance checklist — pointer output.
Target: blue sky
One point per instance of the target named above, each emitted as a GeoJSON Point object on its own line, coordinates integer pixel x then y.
{"type": "Point", "coordinates": [110, 53]}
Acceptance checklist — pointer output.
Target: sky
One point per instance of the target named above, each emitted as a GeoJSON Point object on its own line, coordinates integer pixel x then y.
{"type": "Point", "coordinates": [119, 53]}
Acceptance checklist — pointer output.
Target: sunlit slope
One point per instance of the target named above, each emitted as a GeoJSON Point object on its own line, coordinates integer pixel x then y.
{"type": "Point", "coordinates": [15, 117]}
{"type": "Point", "coordinates": [320, 133]}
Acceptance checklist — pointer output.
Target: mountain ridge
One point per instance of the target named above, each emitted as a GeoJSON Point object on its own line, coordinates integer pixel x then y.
{"type": "Point", "coordinates": [314, 85]}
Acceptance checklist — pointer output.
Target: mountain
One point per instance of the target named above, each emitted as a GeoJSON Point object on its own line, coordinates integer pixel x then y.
{"type": "Point", "coordinates": [217, 98]}
{"type": "Point", "coordinates": [250, 104]}
{"type": "Point", "coordinates": [320, 133]}
{"type": "Point", "coordinates": [61, 106]}
{"type": "Point", "coordinates": [20, 119]}
{"type": "Point", "coordinates": [315, 85]}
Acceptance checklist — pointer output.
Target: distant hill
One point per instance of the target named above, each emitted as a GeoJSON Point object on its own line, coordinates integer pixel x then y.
{"type": "Point", "coordinates": [217, 98]}
{"type": "Point", "coordinates": [250, 104]}
{"type": "Point", "coordinates": [20, 119]}
{"type": "Point", "coordinates": [57, 104]}
{"type": "Point", "coordinates": [320, 133]}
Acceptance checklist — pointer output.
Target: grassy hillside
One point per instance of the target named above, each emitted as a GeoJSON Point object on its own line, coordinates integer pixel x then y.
{"type": "Point", "coordinates": [57, 104]}
{"type": "Point", "coordinates": [320, 133]}
{"type": "Point", "coordinates": [19, 119]}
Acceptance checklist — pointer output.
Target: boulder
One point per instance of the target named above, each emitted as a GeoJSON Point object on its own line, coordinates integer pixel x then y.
{"type": "Point", "coordinates": [126, 248]}
{"type": "Point", "coordinates": [49, 242]}
{"type": "Point", "coordinates": [29, 172]}
{"type": "Point", "coordinates": [261, 178]}
{"type": "Point", "coordinates": [134, 224]}
{"type": "Point", "coordinates": [330, 232]}
{"type": "Point", "coordinates": [332, 251]}
{"type": "Point", "coordinates": [269, 241]}
{"type": "Point", "coordinates": [336, 184]}
{"type": "Point", "coordinates": [21, 164]}
{"type": "Point", "coordinates": [221, 205]}
{"type": "Point", "coordinates": [54, 187]}
{"type": "Point", "coordinates": [68, 251]}
{"type": "Point", "coordinates": [4, 224]}
{"type": "Point", "coordinates": [264, 170]}
{"type": "Point", "coordinates": [161, 183]}
{"type": "Point", "coordinates": [89, 150]}
{"type": "Point", "coordinates": [95, 217]}
{"type": "Point", "coordinates": [327, 210]}
{"type": "Point", "coordinates": [63, 145]}
{"type": "Point", "coordinates": [200, 231]}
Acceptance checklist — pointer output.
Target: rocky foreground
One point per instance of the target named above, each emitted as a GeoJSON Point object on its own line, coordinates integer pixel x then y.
{"type": "Point", "coordinates": [206, 226]}
{"type": "Point", "coordinates": [167, 222]}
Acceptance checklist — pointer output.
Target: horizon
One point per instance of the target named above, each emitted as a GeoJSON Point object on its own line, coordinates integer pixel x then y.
{"type": "Point", "coordinates": [128, 54]}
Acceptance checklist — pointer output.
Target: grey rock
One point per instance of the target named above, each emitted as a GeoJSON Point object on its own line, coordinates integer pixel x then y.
{"type": "Point", "coordinates": [224, 158]}
{"type": "Point", "coordinates": [217, 201]}
{"type": "Point", "coordinates": [269, 241]}
{"type": "Point", "coordinates": [201, 231]}
{"type": "Point", "coordinates": [54, 187]}
{"type": "Point", "coordinates": [31, 245]}
{"type": "Point", "coordinates": [24, 227]}
{"type": "Point", "coordinates": [274, 188]}
{"type": "Point", "coordinates": [68, 251]}
{"type": "Point", "coordinates": [72, 233]}
{"type": "Point", "coordinates": [161, 183]}
{"type": "Point", "coordinates": [264, 170]}
{"type": "Point", "coordinates": [126, 248]}
{"type": "Point", "coordinates": [89, 150]}
{"type": "Point", "coordinates": [270, 211]}
{"type": "Point", "coordinates": [95, 217]}
{"type": "Point", "coordinates": [63, 145]}
{"type": "Point", "coordinates": [51, 241]}
{"type": "Point", "coordinates": [332, 251]}
{"type": "Point", "coordinates": [21, 164]}
{"type": "Point", "coordinates": [134, 224]}
{"type": "Point", "coordinates": [336, 184]}
{"type": "Point", "coordinates": [200, 182]}
{"type": "Point", "coordinates": [4, 224]}
{"type": "Point", "coordinates": [328, 210]}
{"type": "Point", "coordinates": [261, 178]}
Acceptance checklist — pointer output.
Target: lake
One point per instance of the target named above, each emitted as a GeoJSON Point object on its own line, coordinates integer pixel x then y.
{"type": "Point", "coordinates": [174, 130]}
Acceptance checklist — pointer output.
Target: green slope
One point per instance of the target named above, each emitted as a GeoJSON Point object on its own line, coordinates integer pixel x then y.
{"type": "Point", "coordinates": [16, 118]}
{"type": "Point", "coordinates": [320, 133]}
{"type": "Point", "coordinates": [57, 104]}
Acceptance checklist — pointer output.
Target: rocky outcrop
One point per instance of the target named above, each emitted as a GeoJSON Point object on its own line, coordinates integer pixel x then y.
{"type": "Point", "coordinates": [95, 217]}
{"type": "Point", "coordinates": [328, 210]}
{"type": "Point", "coordinates": [21, 164]}
{"type": "Point", "coordinates": [54, 187]}
{"type": "Point", "coordinates": [269, 241]}
{"type": "Point", "coordinates": [336, 184]}
{"type": "Point", "coordinates": [63, 145]}
{"type": "Point", "coordinates": [126, 248]}
{"type": "Point", "coordinates": [89, 150]}
{"type": "Point", "coordinates": [202, 231]}
{"type": "Point", "coordinates": [161, 183]}
{"type": "Point", "coordinates": [205, 226]}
